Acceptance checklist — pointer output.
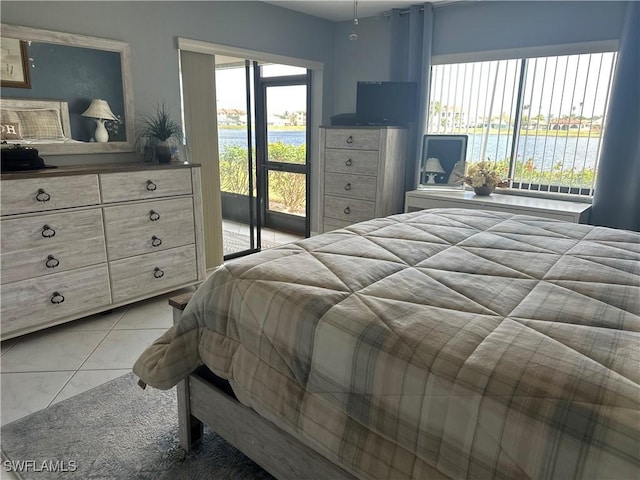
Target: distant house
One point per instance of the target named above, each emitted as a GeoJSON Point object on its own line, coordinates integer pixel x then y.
{"type": "Point", "coordinates": [231, 116]}
{"type": "Point", "coordinates": [449, 116]}
{"type": "Point", "coordinates": [535, 125]}
{"type": "Point", "coordinates": [301, 118]}
{"type": "Point", "coordinates": [287, 119]}
{"type": "Point", "coordinates": [494, 125]}
{"type": "Point", "coordinates": [569, 124]}
{"type": "Point", "coordinates": [277, 121]}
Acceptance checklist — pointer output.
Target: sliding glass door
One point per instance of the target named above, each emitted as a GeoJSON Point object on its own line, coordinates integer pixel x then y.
{"type": "Point", "coordinates": [283, 137]}
{"type": "Point", "coordinates": [236, 148]}
{"type": "Point", "coordinates": [262, 145]}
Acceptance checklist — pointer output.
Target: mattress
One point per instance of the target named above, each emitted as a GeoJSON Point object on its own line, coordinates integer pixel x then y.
{"type": "Point", "coordinates": [435, 344]}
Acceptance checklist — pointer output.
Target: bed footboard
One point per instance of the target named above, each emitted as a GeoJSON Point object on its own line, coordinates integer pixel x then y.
{"type": "Point", "coordinates": [279, 453]}
{"type": "Point", "coordinates": [190, 428]}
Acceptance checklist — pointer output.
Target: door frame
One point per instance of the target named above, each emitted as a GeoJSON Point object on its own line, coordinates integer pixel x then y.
{"type": "Point", "coordinates": [314, 117]}
{"type": "Point", "coordinates": [270, 218]}
{"type": "Point", "coordinates": [255, 229]}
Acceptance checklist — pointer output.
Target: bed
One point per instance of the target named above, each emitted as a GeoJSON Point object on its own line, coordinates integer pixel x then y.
{"type": "Point", "coordinates": [35, 122]}
{"type": "Point", "coordinates": [435, 344]}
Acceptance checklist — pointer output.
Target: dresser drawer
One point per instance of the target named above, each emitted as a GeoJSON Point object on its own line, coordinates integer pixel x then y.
{"type": "Point", "coordinates": [357, 139]}
{"type": "Point", "coordinates": [51, 243]}
{"type": "Point", "coordinates": [148, 227]}
{"type": "Point", "coordinates": [133, 277]}
{"type": "Point", "coordinates": [351, 186]}
{"type": "Point", "coordinates": [348, 210]}
{"type": "Point", "coordinates": [34, 302]}
{"type": "Point", "coordinates": [351, 161]}
{"type": "Point", "coordinates": [119, 187]}
{"type": "Point", "coordinates": [40, 194]}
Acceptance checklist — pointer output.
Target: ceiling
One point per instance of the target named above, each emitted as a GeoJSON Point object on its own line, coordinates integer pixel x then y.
{"type": "Point", "coordinates": [342, 10]}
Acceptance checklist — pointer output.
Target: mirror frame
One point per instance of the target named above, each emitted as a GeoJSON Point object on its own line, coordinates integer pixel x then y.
{"type": "Point", "coordinates": [70, 39]}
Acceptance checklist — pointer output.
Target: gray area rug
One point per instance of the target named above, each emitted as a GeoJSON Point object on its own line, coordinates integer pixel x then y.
{"type": "Point", "coordinates": [119, 431]}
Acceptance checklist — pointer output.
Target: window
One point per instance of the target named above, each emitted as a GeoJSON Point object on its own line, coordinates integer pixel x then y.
{"type": "Point", "coordinates": [539, 119]}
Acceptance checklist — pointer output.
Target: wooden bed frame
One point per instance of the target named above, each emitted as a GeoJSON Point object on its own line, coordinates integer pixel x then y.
{"type": "Point", "coordinates": [278, 452]}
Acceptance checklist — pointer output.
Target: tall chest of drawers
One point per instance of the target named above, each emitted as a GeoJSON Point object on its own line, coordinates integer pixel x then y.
{"type": "Point", "coordinates": [362, 173]}
{"type": "Point", "coordinates": [81, 240]}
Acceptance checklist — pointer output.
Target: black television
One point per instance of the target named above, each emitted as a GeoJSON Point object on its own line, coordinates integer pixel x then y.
{"type": "Point", "coordinates": [386, 103]}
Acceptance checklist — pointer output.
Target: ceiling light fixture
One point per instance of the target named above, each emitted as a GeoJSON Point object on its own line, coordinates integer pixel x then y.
{"type": "Point", "coordinates": [354, 33]}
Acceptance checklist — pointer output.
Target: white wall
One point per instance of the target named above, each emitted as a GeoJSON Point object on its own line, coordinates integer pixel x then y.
{"type": "Point", "coordinates": [472, 27]}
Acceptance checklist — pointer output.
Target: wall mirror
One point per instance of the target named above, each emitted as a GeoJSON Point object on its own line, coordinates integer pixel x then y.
{"type": "Point", "coordinates": [68, 71]}
{"type": "Point", "coordinates": [443, 161]}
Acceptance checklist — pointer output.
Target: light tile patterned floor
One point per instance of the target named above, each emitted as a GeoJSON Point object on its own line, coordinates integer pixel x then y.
{"type": "Point", "coordinates": [49, 366]}
{"type": "Point", "coordinates": [46, 367]}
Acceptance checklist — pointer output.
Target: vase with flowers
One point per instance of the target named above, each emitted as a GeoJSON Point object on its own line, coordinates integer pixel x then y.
{"type": "Point", "coordinates": [484, 177]}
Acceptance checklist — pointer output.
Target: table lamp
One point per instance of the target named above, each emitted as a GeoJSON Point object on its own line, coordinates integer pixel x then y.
{"type": "Point", "coordinates": [99, 109]}
{"type": "Point", "coordinates": [432, 168]}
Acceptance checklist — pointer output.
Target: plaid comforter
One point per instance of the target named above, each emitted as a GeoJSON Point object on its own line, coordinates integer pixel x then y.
{"type": "Point", "coordinates": [434, 344]}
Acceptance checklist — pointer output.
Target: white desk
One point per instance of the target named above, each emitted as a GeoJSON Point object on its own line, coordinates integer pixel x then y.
{"type": "Point", "coordinates": [575, 212]}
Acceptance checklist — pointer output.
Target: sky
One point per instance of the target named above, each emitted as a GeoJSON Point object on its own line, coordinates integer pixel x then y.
{"type": "Point", "coordinates": [576, 84]}
{"type": "Point", "coordinates": [557, 86]}
{"type": "Point", "coordinates": [231, 90]}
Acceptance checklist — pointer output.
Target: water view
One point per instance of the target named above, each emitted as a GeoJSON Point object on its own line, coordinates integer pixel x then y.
{"type": "Point", "coordinates": [543, 151]}
{"type": "Point", "coordinates": [238, 137]}
{"type": "Point", "coordinates": [550, 148]}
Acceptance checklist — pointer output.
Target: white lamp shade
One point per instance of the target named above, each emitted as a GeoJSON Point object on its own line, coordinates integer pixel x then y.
{"type": "Point", "coordinates": [433, 165]}
{"type": "Point", "coordinates": [99, 109]}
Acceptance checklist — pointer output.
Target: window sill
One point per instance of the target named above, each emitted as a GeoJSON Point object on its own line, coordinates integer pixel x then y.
{"type": "Point", "coordinates": [568, 197]}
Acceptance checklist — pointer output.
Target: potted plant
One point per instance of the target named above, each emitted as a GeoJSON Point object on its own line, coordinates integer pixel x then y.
{"type": "Point", "coordinates": [158, 134]}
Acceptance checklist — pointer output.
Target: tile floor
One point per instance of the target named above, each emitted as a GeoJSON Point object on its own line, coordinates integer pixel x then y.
{"type": "Point", "coordinates": [49, 366]}
{"type": "Point", "coordinates": [46, 367]}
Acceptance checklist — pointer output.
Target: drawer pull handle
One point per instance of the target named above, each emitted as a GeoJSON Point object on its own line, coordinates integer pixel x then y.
{"type": "Point", "coordinates": [151, 186]}
{"type": "Point", "coordinates": [52, 262]}
{"type": "Point", "coordinates": [348, 163]}
{"type": "Point", "coordinates": [347, 211]}
{"type": "Point", "coordinates": [42, 196]}
{"type": "Point", "coordinates": [347, 187]}
{"type": "Point", "coordinates": [48, 232]}
{"type": "Point", "coordinates": [56, 298]}
{"type": "Point", "coordinates": [154, 216]}
{"type": "Point", "coordinates": [350, 139]}
{"type": "Point", "coordinates": [157, 273]}
{"type": "Point", "coordinates": [155, 241]}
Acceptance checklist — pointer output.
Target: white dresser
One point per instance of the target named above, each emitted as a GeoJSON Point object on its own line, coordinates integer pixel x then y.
{"type": "Point", "coordinates": [574, 212]}
{"type": "Point", "coordinates": [361, 174]}
{"type": "Point", "coordinates": [81, 240]}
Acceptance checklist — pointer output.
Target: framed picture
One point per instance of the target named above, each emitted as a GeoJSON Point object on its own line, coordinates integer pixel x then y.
{"type": "Point", "coordinates": [15, 70]}
{"type": "Point", "coordinates": [443, 161]}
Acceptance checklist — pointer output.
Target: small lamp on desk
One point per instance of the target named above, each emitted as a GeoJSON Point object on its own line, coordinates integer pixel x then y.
{"type": "Point", "coordinates": [432, 168]}
{"type": "Point", "coordinates": [99, 109]}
